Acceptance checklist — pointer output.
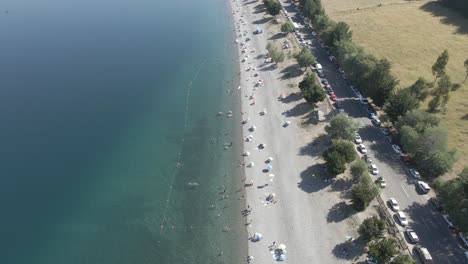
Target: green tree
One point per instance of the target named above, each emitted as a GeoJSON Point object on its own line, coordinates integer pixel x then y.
{"type": "Point", "coordinates": [399, 103]}
{"type": "Point", "coordinates": [381, 83]}
{"type": "Point", "coordinates": [383, 250]}
{"type": "Point", "coordinates": [420, 89]}
{"type": "Point", "coordinates": [403, 259]}
{"type": "Point", "coordinates": [344, 148]}
{"type": "Point", "coordinates": [466, 69]}
{"type": "Point", "coordinates": [358, 169]}
{"type": "Point", "coordinates": [444, 86]}
{"type": "Point", "coordinates": [335, 162]}
{"type": "Point", "coordinates": [371, 228]}
{"type": "Point", "coordinates": [287, 27]}
{"type": "Point", "coordinates": [312, 92]}
{"type": "Point", "coordinates": [409, 138]}
{"type": "Point", "coordinates": [304, 58]}
{"type": "Point", "coordinates": [363, 193]}
{"type": "Point", "coordinates": [321, 22]}
{"type": "Point", "coordinates": [273, 7]}
{"type": "Point", "coordinates": [341, 127]}
{"type": "Point", "coordinates": [337, 32]}
{"type": "Point", "coordinates": [454, 195]}
{"type": "Point", "coordinates": [269, 47]}
{"type": "Point", "coordinates": [277, 56]}
{"type": "Point", "coordinates": [438, 69]}
{"type": "Point", "coordinates": [434, 103]}
{"type": "Point", "coordinates": [312, 8]}
{"type": "Point", "coordinates": [417, 119]}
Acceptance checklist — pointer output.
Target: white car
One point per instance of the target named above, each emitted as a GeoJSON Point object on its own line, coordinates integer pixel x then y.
{"type": "Point", "coordinates": [362, 148]}
{"type": "Point", "coordinates": [364, 101]}
{"type": "Point", "coordinates": [402, 218]}
{"type": "Point", "coordinates": [412, 237]}
{"type": "Point", "coordinates": [415, 174]}
{"type": "Point", "coordinates": [424, 187]}
{"type": "Point", "coordinates": [394, 204]}
{"type": "Point", "coordinates": [357, 139]}
{"type": "Point", "coordinates": [382, 182]}
{"type": "Point", "coordinates": [396, 148]}
{"type": "Point", "coordinates": [374, 169]}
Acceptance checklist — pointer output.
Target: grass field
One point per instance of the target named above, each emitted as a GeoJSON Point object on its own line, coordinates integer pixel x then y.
{"type": "Point", "coordinates": [411, 35]}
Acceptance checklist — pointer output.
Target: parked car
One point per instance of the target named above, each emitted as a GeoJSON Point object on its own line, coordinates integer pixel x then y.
{"type": "Point", "coordinates": [314, 34]}
{"type": "Point", "coordinates": [338, 104]}
{"type": "Point", "coordinates": [382, 183]}
{"type": "Point", "coordinates": [415, 174]}
{"type": "Point", "coordinates": [423, 254]}
{"type": "Point", "coordinates": [364, 101]}
{"type": "Point", "coordinates": [374, 169]}
{"type": "Point", "coordinates": [394, 204]}
{"type": "Point", "coordinates": [384, 131]}
{"type": "Point", "coordinates": [424, 187]}
{"type": "Point", "coordinates": [329, 90]}
{"type": "Point", "coordinates": [402, 218]}
{"type": "Point", "coordinates": [357, 139]}
{"type": "Point", "coordinates": [412, 236]}
{"type": "Point", "coordinates": [333, 97]}
{"type": "Point", "coordinates": [372, 115]}
{"type": "Point", "coordinates": [325, 82]}
{"type": "Point", "coordinates": [362, 148]}
{"type": "Point", "coordinates": [396, 148]}
{"type": "Point", "coordinates": [405, 159]}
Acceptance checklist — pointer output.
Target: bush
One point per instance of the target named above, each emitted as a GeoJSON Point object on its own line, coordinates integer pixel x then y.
{"type": "Point", "coordinates": [371, 228]}
{"type": "Point", "coordinates": [359, 170]}
{"type": "Point", "coordinates": [363, 193]}
{"type": "Point", "coordinates": [335, 162]}
{"type": "Point", "coordinates": [341, 127]}
{"type": "Point", "coordinates": [383, 250]}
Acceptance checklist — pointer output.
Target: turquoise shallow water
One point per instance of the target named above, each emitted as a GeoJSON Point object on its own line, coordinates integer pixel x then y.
{"type": "Point", "coordinates": [93, 103]}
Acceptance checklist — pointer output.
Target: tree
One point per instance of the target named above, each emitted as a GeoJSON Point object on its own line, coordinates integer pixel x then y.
{"type": "Point", "coordinates": [313, 8]}
{"type": "Point", "coordinates": [363, 193]}
{"type": "Point", "coordinates": [433, 104]}
{"type": "Point", "coordinates": [273, 7]}
{"type": "Point", "coordinates": [337, 32]}
{"type": "Point", "coordinates": [420, 89]}
{"type": "Point", "coordinates": [287, 27]}
{"type": "Point", "coordinates": [444, 86]}
{"type": "Point", "coordinates": [399, 103]}
{"type": "Point", "coordinates": [312, 92]}
{"type": "Point", "coordinates": [380, 83]}
{"type": "Point", "coordinates": [321, 22]}
{"type": "Point", "coordinates": [439, 66]}
{"type": "Point", "coordinates": [409, 138]}
{"type": "Point", "coordinates": [417, 119]}
{"type": "Point", "coordinates": [341, 127]}
{"type": "Point", "coordinates": [383, 250]}
{"type": "Point", "coordinates": [466, 69]}
{"type": "Point", "coordinates": [335, 162]}
{"type": "Point", "coordinates": [403, 259]}
{"type": "Point", "coordinates": [454, 195]}
{"type": "Point", "coordinates": [371, 228]}
{"type": "Point", "coordinates": [358, 169]}
{"type": "Point", "coordinates": [305, 58]}
{"type": "Point", "coordinates": [277, 56]}
{"type": "Point", "coordinates": [269, 47]}
{"type": "Point", "coordinates": [344, 148]}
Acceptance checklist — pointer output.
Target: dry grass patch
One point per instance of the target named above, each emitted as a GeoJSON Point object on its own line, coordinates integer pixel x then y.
{"type": "Point", "coordinates": [411, 35]}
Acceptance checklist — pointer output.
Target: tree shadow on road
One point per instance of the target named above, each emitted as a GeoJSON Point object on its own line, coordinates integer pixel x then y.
{"type": "Point", "coordinates": [353, 251]}
{"type": "Point", "coordinates": [448, 16]}
{"type": "Point", "coordinates": [314, 179]}
{"type": "Point", "coordinates": [340, 212]}
{"type": "Point", "coordinates": [316, 147]}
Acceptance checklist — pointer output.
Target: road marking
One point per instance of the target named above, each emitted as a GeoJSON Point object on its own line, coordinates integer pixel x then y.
{"type": "Point", "coordinates": [404, 190]}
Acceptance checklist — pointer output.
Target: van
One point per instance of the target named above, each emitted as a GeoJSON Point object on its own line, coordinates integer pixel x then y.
{"type": "Point", "coordinates": [424, 254]}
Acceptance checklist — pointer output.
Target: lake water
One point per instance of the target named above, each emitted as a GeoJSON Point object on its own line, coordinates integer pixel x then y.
{"type": "Point", "coordinates": [110, 147]}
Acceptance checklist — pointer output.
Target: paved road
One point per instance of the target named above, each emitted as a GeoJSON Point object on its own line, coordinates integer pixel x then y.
{"type": "Point", "coordinates": [429, 225]}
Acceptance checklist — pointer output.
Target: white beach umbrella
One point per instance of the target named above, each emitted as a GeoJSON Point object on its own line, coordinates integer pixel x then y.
{"type": "Point", "coordinates": [251, 164]}
{"type": "Point", "coordinates": [282, 246]}
{"type": "Point", "coordinates": [270, 159]}
{"type": "Point", "coordinates": [246, 153]}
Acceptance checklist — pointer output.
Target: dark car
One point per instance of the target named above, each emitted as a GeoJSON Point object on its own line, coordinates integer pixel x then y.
{"type": "Point", "coordinates": [338, 104]}
{"type": "Point", "coordinates": [325, 82]}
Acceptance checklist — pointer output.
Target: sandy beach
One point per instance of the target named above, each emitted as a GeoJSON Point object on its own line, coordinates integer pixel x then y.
{"type": "Point", "coordinates": [308, 214]}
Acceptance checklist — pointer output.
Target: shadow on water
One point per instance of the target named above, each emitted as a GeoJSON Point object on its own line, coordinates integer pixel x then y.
{"type": "Point", "coordinates": [448, 16]}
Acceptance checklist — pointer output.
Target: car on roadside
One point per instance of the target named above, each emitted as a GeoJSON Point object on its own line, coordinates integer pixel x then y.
{"type": "Point", "coordinates": [396, 148]}
{"type": "Point", "coordinates": [394, 204]}
{"type": "Point", "coordinates": [357, 139]}
{"type": "Point", "coordinates": [362, 148]}
{"type": "Point", "coordinates": [412, 236]}
{"type": "Point", "coordinates": [405, 159]}
{"type": "Point", "coordinates": [384, 131]}
{"type": "Point", "coordinates": [402, 218]}
{"type": "Point", "coordinates": [364, 101]}
{"type": "Point", "coordinates": [338, 104]}
{"type": "Point", "coordinates": [373, 169]}
{"type": "Point", "coordinates": [423, 254]}
{"type": "Point", "coordinates": [415, 174]}
{"type": "Point", "coordinates": [381, 182]}
{"type": "Point", "coordinates": [333, 97]}
{"type": "Point", "coordinates": [325, 82]}
{"type": "Point", "coordinates": [314, 33]}
{"type": "Point", "coordinates": [372, 115]}
{"type": "Point", "coordinates": [424, 187]}
{"type": "Point", "coordinates": [329, 90]}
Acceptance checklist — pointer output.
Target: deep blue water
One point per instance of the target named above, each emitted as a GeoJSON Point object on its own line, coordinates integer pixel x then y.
{"type": "Point", "coordinates": [93, 122]}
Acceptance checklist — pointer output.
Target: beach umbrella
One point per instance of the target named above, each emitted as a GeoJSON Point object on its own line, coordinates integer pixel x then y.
{"type": "Point", "coordinates": [251, 164]}
{"type": "Point", "coordinates": [270, 159]}
{"type": "Point", "coordinates": [271, 175]}
{"type": "Point", "coordinates": [269, 167]}
{"type": "Point", "coordinates": [282, 246]}
{"type": "Point", "coordinates": [281, 257]}
{"type": "Point", "coordinates": [246, 153]}
{"type": "Point", "coordinates": [257, 237]}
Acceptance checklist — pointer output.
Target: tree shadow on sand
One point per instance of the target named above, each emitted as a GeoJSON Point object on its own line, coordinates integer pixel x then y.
{"type": "Point", "coordinates": [292, 97]}
{"type": "Point", "coordinates": [343, 186]}
{"type": "Point", "coordinates": [340, 212]}
{"type": "Point", "coordinates": [316, 147]}
{"type": "Point", "coordinates": [298, 110]}
{"type": "Point", "coordinates": [314, 179]}
{"type": "Point", "coordinates": [350, 251]}
{"type": "Point", "coordinates": [262, 20]}
{"type": "Point", "coordinates": [277, 36]}
{"type": "Point", "coordinates": [448, 16]}
{"type": "Point", "coordinates": [292, 71]}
